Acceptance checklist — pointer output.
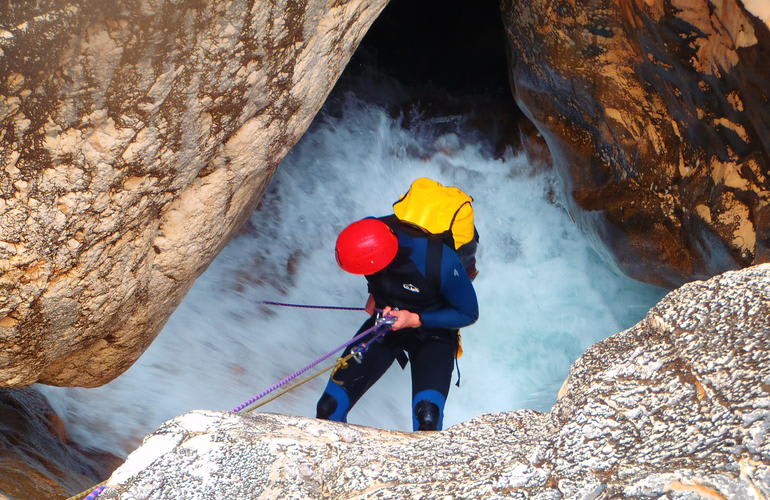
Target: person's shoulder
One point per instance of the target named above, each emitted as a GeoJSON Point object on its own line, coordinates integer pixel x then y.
{"type": "Point", "coordinates": [450, 254]}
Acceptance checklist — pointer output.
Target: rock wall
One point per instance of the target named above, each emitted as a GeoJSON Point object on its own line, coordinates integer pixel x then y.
{"type": "Point", "coordinates": [37, 457]}
{"type": "Point", "coordinates": [656, 113]}
{"type": "Point", "coordinates": [676, 407]}
{"type": "Point", "coordinates": [134, 138]}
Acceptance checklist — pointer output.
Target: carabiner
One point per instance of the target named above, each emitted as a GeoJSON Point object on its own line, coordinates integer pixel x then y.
{"type": "Point", "coordinates": [384, 320]}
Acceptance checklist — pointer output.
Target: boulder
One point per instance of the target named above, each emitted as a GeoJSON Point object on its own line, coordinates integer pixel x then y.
{"type": "Point", "coordinates": [656, 114]}
{"type": "Point", "coordinates": [135, 137]}
{"type": "Point", "coordinates": [678, 406]}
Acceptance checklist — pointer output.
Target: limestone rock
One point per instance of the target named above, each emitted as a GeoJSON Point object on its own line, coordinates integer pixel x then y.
{"type": "Point", "coordinates": [656, 113]}
{"type": "Point", "coordinates": [134, 138]}
{"type": "Point", "coordinates": [676, 407]}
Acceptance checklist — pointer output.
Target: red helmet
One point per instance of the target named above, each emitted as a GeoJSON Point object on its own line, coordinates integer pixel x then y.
{"type": "Point", "coordinates": [366, 246]}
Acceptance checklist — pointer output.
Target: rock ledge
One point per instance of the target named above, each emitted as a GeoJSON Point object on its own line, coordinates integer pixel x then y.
{"type": "Point", "coordinates": [677, 406]}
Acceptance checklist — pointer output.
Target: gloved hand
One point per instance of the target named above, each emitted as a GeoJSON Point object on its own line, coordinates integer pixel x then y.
{"type": "Point", "coordinates": [405, 319]}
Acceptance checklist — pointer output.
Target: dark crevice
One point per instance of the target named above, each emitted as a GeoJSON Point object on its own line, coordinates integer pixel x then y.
{"type": "Point", "coordinates": [442, 59]}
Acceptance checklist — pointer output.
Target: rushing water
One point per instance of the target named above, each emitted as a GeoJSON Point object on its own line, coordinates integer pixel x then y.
{"type": "Point", "coordinates": [544, 294]}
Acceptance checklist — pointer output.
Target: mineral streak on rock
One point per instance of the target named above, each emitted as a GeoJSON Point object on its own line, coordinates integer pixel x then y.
{"type": "Point", "coordinates": [134, 137]}
{"type": "Point", "coordinates": [676, 407]}
{"type": "Point", "coordinates": [656, 113]}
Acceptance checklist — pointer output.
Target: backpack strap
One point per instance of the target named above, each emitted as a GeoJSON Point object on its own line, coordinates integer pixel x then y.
{"type": "Point", "coordinates": [433, 258]}
{"type": "Point", "coordinates": [391, 220]}
{"type": "Point", "coordinates": [450, 235]}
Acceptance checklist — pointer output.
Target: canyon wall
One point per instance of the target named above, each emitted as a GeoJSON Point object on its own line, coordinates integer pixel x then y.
{"type": "Point", "coordinates": [134, 139]}
{"type": "Point", "coordinates": [656, 114]}
{"type": "Point", "coordinates": [38, 459]}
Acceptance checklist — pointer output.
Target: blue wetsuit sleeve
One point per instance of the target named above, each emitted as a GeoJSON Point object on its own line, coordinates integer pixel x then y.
{"type": "Point", "coordinates": [462, 306]}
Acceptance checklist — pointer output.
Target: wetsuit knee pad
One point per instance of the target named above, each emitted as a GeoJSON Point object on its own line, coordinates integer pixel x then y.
{"type": "Point", "coordinates": [428, 416]}
{"type": "Point", "coordinates": [428, 410]}
{"type": "Point", "coordinates": [334, 404]}
{"type": "Point", "coordinates": [326, 406]}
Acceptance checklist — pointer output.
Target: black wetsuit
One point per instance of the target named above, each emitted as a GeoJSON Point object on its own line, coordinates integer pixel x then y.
{"type": "Point", "coordinates": [425, 277]}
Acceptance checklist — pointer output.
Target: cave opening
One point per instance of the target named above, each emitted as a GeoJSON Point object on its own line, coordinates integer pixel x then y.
{"type": "Point", "coordinates": [448, 59]}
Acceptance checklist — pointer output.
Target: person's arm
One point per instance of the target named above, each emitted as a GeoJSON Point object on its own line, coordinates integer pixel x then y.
{"type": "Point", "coordinates": [456, 287]}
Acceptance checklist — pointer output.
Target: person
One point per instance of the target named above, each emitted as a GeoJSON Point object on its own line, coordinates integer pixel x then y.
{"type": "Point", "coordinates": [419, 281]}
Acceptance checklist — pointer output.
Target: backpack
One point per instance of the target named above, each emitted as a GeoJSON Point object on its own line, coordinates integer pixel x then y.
{"type": "Point", "coordinates": [444, 211]}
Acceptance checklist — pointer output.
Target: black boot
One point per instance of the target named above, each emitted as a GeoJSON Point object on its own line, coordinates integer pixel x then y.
{"type": "Point", "coordinates": [428, 415]}
{"type": "Point", "coordinates": [326, 406]}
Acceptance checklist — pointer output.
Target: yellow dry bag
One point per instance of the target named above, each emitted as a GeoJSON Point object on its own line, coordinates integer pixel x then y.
{"type": "Point", "coordinates": [445, 211]}
{"type": "Point", "coordinates": [438, 209]}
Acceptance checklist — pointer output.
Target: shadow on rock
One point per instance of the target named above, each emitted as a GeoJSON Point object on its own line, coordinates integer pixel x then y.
{"type": "Point", "coordinates": [37, 457]}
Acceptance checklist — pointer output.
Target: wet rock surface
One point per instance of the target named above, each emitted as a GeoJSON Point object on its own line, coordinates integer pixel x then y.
{"type": "Point", "coordinates": [37, 457]}
{"type": "Point", "coordinates": [134, 138]}
{"type": "Point", "coordinates": [655, 111]}
{"type": "Point", "coordinates": [676, 407]}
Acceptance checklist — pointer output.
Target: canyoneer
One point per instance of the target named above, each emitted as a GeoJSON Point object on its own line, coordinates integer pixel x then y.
{"type": "Point", "coordinates": [418, 263]}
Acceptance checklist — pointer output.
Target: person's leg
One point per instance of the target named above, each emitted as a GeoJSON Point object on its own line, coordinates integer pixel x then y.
{"type": "Point", "coordinates": [347, 385]}
{"type": "Point", "coordinates": [432, 363]}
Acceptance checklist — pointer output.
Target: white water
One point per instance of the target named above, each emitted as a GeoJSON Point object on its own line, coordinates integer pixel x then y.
{"type": "Point", "coordinates": [544, 295]}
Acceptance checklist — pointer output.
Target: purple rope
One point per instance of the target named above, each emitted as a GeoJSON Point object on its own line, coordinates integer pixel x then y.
{"type": "Point", "coordinates": [380, 328]}
{"type": "Point", "coordinates": [95, 493]}
{"type": "Point", "coordinates": [308, 306]}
